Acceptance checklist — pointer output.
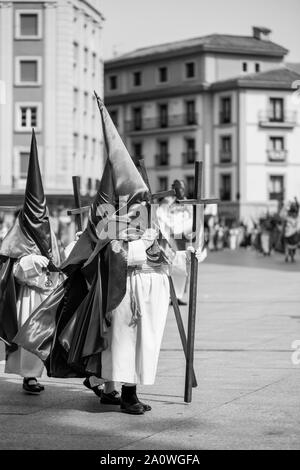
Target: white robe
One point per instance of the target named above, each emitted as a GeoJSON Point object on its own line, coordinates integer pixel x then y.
{"type": "Point", "coordinates": [31, 294]}
{"type": "Point", "coordinates": [133, 352]}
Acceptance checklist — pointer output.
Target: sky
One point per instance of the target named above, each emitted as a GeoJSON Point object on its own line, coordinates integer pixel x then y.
{"type": "Point", "coordinates": [131, 24]}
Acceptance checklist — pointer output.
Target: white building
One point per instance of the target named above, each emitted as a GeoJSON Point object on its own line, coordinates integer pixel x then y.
{"type": "Point", "coordinates": [50, 63]}
{"type": "Point", "coordinates": [226, 100]}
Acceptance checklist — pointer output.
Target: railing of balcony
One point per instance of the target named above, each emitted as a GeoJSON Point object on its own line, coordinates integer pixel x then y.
{"type": "Point", "coordinates": [190, 157]}
{"type": "Point", "coordinates": [286, 116]}
{"type": "Point", "coordinates": [162, 159]}
{"type": "Point", "coordinates": [225, 156]}
{"type": "Point", "coordinates": [277, 155]}
{"type": "Point", "coordinates": [166, 123]}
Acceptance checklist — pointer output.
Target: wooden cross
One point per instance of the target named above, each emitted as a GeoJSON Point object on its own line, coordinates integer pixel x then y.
{"type": "Point", "coordinates": [174, 300]}
{"type": "Point", "coordinates": [79, 211]}
{"type": "Point", "coordinates": [196, 202]}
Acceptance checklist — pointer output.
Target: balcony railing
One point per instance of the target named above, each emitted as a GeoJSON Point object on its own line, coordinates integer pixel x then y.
{"type": "Point", "coordinates": [269, 119]}
{"type": "Point", "coordinates": [162, 159]}
{"type": "Point", "coordinates": [189, 157]}
{"type": "Point", "coordinates": [277, 155]}
{"type": "Point", "coordinates": [225, 156]}
{"type": "Point", "coordinates": [148, 124]}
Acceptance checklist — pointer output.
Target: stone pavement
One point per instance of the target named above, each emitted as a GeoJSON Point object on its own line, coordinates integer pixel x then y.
{"type": "Point", "coordinates": [249, 390]}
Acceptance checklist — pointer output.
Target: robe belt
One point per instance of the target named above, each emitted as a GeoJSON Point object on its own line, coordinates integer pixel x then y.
{"type": "Point", "coordinates": [145, 268]}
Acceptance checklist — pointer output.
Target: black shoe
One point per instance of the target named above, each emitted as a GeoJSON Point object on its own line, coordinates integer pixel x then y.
{"type": "Point", "coordinates": [132, 408]}
{"type": "Point", "coordinates": [112, 398]}
{"type": "Point", "coordinates": [32, 388]}
{"type": "Point", "coordinates": [130, 402]}
{"type": "Point", "coordinates": [97, 391]}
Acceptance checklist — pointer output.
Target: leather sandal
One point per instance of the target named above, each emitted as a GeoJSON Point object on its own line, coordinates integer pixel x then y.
{"type": "Point", "coordinates": [96, 389]}
{"type": "Point", "coordinates": [112, 398]}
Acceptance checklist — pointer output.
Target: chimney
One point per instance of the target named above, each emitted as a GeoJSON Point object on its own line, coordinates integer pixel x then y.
{"type": "Point", "coordinates": [261, 33]}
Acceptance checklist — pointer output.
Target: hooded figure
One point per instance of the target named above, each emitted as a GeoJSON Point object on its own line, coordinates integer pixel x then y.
{"type": "Point", "coordinates": [105, 320]}
{"type": "Point", "coordinates": [29, 256]}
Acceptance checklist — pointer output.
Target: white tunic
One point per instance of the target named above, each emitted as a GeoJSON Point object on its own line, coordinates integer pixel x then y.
{"type": "Point", "coordinates": [132, 356]}
{"type": "Point", "coordinates": [31, 294]}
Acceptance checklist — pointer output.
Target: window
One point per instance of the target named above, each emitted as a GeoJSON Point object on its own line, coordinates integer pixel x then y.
{"type": "Point", "coordinates": [190, 70]}
{"type": "Point", "coordinates": [85, 145]}
{"type": "Point", "coordinates": [86, 103]}
{"type": "Point", "coordinates": [225, 187]}
{"type": "Point", "coordinates": [138, 149]}
{"type": "Point", "coordinates": [113, 82]}
{"type": "Point", "coordinates": [28, 115]}
{"type": "Point", "coordinates": [225, 149]}
{"type": "Point", "coordinates": [86, 59]}
{"type": "Point", "coordinates": [190, 186]}
{"type": "Point", "coordinates": [24, 162]}
{"type": "Point", "coordinates": [75, 143]}
{"type": "Point", "coordinates": [163, 183]}
{"type": "Point", "coordinates": [75, 54]}
{"type": "Point", "coordinates": [28, 24]}
{"type": "Point", "coordinates": [94, 147]}
{"type": "Point", "coordinates": [276, 187]}
{"type": "Point", "coordinates": [75, 100]}
{"type": "Point", "coordinates": [162, 74]}
{"type": "Point", "coordinates": [276, 152]}
{"type": "Point", "coordinates": [163, 115]}
{"type": "Point", "coordinates": [114, 116]}
{"type": "Point", "coordinates": [137, 118]}
{"type": "Point", "coordinates": [94, 63]}
{"type": "Point", "coordinates": [28, 71]}
{"type": "Point", "coordinates": [162, 158]}
{"type": "Point", "coordinates": [89, 184]}
{"type": "Point", "coordinates": [225, 112]}
{"type": "Point", "coordinates": [276, 113]}
{"type": "Point", "coordinates": [190, 112]}
{"type": "Point", "coordinates": [245, 67]}
{"type": "Point", "coordinates": [190, 154]}
{"type": "Point", "coordinates": [257, 67]}
{"type": "Point", "coordinates": [137, 79]}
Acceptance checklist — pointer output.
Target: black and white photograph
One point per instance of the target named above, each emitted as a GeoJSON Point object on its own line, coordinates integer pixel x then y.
{"type": "Point", "coordinates": [149, 230]}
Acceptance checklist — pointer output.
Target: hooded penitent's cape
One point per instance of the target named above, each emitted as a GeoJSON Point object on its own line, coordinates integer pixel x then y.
{"type": "Point", "coordinates": [66, 331]}
{"type": "Point", "coordinates": [31, 234]}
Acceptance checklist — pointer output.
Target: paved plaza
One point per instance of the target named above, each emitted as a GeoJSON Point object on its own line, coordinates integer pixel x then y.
{"type": "Point", "coordinates": [249, 390]}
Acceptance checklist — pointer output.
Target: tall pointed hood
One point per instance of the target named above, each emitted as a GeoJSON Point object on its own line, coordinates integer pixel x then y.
{"type": "Point", "coordinates": [105, 194]}
{"type": "Point", "coordinates": [128, 183]}
{"type": "Point", "coordinates": [34, 217]}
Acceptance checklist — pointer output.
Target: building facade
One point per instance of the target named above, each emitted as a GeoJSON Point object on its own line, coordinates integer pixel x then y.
{"type": "Point", "coordinates": [50, 63]}
{"type": "Point", "coordinates": [225, 100]}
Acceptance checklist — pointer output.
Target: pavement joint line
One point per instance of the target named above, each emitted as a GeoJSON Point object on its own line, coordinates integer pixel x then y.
{"type": "Point", "coordinates": [230, 350]}
{"type": "Point", "coordinates": [247, 394]}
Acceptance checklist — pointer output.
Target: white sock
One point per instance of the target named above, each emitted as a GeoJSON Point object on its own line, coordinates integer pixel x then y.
{"type": "Point", "coordinates": [95, 382]}
{"type": "Point", "coordinates": [109, 387]}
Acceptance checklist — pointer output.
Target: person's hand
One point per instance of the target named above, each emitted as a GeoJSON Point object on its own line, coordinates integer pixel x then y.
{"type": "Point", "coordinates": [77, 236]}
{"type": "Point", "coordinates": [149, 237]}
{"type": "Point", "coordinates": [41, 261]}
{"type": "Point", "coordinates": [201, 255]}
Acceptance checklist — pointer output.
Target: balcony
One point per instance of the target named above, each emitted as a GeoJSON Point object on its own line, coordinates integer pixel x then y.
{"type": "Point", "coordinates": [277, 155]}
{"type": "Point", "coordinates": [171, 123]}
{"type": "Point", "coordinates": [162, 159]}
{"type": "Point", "coordinates": [287, 120]}
{"type": "Point", "coordinates": [225, 156]}
{"type": "Point", "coordinates": [189, 157]}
